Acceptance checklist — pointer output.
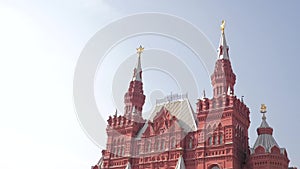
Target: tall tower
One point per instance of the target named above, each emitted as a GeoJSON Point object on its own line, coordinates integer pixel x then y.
{"type": "Point", "coordinates": [122, 129]}
{"type": "Point", "coordinates": [134, 98]}
{"type": "Point", "coordinates": [266, 153]}
{"type": "Point", "coordinates": [224, 119]}
{"type": "Point", "coordinates": [174, 137]}
{"type": "Point", "coordinates": [223, 78]}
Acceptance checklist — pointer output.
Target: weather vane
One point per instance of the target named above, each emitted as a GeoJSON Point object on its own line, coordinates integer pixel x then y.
{"type": "Point", "coordinates": [140, 50]}
{"type": "Point", "coordinates": [223, 26]}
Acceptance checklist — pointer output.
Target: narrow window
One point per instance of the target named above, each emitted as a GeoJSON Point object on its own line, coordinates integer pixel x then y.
{"type": "Point", "coordinates": [119, 151]}
{"type": "Point", "coordinates": [209, 140]}
{"type": "Point", "coordinates": [162, 144]}
{"type": "Point", "coordinates": [191, 143]}
{"type": "Point", "coordinates": [216, 140]}
{"type": "Point", "coordinates": [148, 146]}
{"type": "Point", "coordinates": [138, 149]}
{"type": "Point", "coordinates": [123, 151]}
{"type": "Point", "coordinates": [156, 145]}
{"type": "Point", "coordinates": [221, 138]}
{"type": "Point", "coordinates": [173, 144]}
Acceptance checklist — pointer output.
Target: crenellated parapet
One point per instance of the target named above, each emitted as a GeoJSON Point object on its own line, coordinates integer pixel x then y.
{"type": "Point", "coordinates": [175, 136]}
{"type": "Point", "coordinates": [220, 107]}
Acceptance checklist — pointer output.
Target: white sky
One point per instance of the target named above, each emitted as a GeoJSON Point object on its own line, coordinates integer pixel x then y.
{"type": "Point", "coordinates": [40, 42]}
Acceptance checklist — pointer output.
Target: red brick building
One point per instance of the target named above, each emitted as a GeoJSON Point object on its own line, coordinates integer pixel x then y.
{"type": "Point", "coordinates": [214, 136]}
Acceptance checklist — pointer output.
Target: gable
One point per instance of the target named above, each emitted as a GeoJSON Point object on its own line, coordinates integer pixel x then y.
{"type": "Point", "coordinates": [180, 109]}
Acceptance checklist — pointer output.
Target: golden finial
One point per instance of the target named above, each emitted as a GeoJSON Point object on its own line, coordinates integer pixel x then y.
{"type": "Point", "coordinates": [140, 50]}
{"type": "Point", "coordinates": [263, 108]}
{"type": "Point", "coordinates": [223, 26]}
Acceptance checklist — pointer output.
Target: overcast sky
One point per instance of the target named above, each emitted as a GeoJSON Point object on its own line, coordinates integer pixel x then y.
{"type": "Point", "coordinates": [40, 42]}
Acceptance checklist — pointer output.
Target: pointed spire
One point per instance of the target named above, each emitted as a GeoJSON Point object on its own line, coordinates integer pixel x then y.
{"type": "Point", "coordinates": [128, 166]}
{"type": "Point", "coordinates": [242, 99]}
{"type": "Point", "coordinates": [116, 113]}
{"type": "Point", "coordinates": [137, 75]}
{"type": "Point", "coordinates": [134, 98]}
{"type": "Point", "coordinates": [180, 163]}
{"type": "Point", "coordinates": [203, 94]}
{"type": "Point", "coordinates": [223, 48]}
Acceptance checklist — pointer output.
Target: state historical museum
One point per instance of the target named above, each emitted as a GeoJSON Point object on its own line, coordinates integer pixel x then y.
{"type": "Point", "coordinates": [214, 136]}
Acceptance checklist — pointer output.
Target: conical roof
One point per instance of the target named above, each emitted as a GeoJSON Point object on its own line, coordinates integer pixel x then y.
{"type": "Point", "coordinates": [223, 48]}
{"type": "Point", "coordinates": [265, 136]}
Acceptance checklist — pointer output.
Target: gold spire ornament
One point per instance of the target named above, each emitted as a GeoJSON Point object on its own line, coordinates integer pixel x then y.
{"type": "Point", "coordinates": [223, 26]}
{"type": "Point", "coordinates": [263, 108]}
{"type": "Point", "coordinates": [140, 50]}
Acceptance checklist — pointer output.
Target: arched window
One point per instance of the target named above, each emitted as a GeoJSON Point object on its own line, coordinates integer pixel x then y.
{"type": "Point", "coordinates": [236, 130]}
{"type": "Point", "coordinates": [138, 149]}
{"type": "Point", "coordinates": [215, 167]}
{"type": "Point", "coordinates": [220, 90]}
{"type": "Point", "coordinates": [148, 146]}
{"type": "Point", "coordinates": [191, 143]}
{"type": "Point", "coordinates": [113, 151]}
{"type": "Point", "coordinates": [122, 151]}
{"type": "Point", "coordinates": [216, 140]}
{"type": "Point", "coordinates": [209, 140]}
{"type": "Point", "coordinates": [221, 138]}
{"type": "Point", "coordinates": [119, 151]}
{"type": "Point", "coordinates": [162, 144]}
{"type": "Point", "coordinates": [173, 143]}
{"type": "Point", "coordinates": [156, 145]}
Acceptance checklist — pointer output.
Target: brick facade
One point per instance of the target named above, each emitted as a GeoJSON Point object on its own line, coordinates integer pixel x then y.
{"type": "Point", "coordinates": [213, 136]}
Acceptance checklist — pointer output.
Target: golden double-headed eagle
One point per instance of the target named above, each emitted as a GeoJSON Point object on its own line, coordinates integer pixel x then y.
{"type": "Point", "coordinates": [263, 108]}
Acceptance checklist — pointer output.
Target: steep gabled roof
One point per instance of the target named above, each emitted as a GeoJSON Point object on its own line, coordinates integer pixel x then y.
{"type": "Point", "coordinates": [182, 110]}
